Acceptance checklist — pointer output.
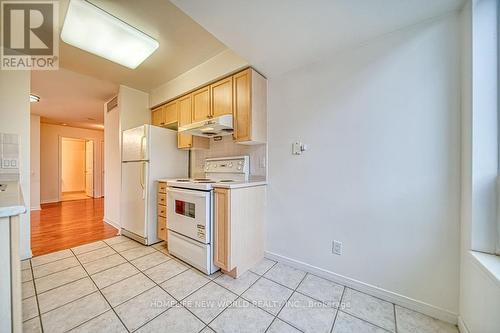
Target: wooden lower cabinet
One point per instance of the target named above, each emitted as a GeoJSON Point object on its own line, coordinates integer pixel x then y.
{"type": "Point", "coordinates": [162, 211]}
{"type": "Point", "coordinates": [222, 229]}
{"type": "Point", "coordinates": [162, 228]}
{"type": "Point", "coordinates": [238, 228]}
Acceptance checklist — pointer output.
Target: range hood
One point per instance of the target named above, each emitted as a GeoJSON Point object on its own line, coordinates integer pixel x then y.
{"type": "Point", "coordinates": [222, 125]}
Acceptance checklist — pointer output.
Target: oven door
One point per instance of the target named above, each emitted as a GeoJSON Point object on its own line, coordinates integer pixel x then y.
{"type": "Point", "coordinates": [189, 213]}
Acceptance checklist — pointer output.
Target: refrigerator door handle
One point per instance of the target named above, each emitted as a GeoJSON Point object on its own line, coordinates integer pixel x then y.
{"type": "Point", "coordinates": [143, 138]}
{"type": "Point", "coordinates": [142, 180]}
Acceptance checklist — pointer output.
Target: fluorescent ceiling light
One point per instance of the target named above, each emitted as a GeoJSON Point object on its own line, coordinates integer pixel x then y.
{"type": "Point", "coordinates": [34, 98]}
{"type": "Point", "coordinates": [96, 31]}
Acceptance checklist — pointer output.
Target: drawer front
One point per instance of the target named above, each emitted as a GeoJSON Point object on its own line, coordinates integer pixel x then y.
{"type": "Point", "coordinates": [162, 199]}
{"type": "Point", "coordinates": [162, 211]}
{"type": "Point", "coordinates": [162, 228]}
{"type": "Point", "coordinates": [162, 187]}
{"type": "Point", "coordinates": [195, 253]}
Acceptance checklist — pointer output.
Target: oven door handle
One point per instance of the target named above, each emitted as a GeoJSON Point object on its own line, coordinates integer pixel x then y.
{"type": "Point", "coordinates": [201, 194]}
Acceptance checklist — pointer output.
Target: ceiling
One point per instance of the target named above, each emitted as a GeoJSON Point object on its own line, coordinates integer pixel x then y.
{"type": "Point", "coordinates": [71, 98]}
{"type": "Point", "coordinates": [276, 36]}
{"type": "Point", "coordinates": [184, 44]}
{"type": "Point", "coordinates": [84, 82]}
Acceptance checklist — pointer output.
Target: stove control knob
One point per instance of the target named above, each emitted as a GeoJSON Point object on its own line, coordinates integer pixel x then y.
{"type": "Point", "coordinates": [230, 164]}
{"type": "Point", "coordinates": [240, 162]}
{"type": "Point", "coordinates": [239, 168]}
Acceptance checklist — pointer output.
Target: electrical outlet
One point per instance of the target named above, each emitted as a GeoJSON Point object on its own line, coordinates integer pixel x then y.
{"type": "Point", "coordinates": [337, 247]}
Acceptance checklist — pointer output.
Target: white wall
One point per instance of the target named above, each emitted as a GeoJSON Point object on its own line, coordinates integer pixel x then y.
{"type": "Point", "coordinates": [132, 111]}
{"type": "Point", "coordinates": [72, 165]}
{"type": "Point", "coordinates": [49, 157]}
{"type": "Point", "coordinates": [218, 66]}
{"type": "Point", "coordinates": [35, 161]}
{"type": "Point", "coordinates": [479, 291]}
{"type": "Point", "coordinates": [484, 125]}
{"type": "Point", "coordinates": [382, 174]}
{"type": "Point", "coordinates": [134, 107]}
{"type": "Point", "coordinates": [15, 118]}
{"type": "Point", "coordinates": [112, 166]}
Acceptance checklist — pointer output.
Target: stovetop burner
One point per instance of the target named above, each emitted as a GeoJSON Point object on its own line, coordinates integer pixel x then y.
{"type": "Point", "coordinates": [203, 180]}
{"type": "Point", "coordinates": [182, 180]}
{"type": "Point", "coordinates": [226, 181]}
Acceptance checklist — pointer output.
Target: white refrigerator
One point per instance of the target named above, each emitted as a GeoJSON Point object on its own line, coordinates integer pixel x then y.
{"type": "Point", "coordinates": [148, 154]}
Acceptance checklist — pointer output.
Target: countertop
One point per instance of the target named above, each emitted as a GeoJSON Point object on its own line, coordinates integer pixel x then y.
{"type": "Point", "coordinates": [250, 183]}
{"type": "Point", "coordinates": [11, 200]}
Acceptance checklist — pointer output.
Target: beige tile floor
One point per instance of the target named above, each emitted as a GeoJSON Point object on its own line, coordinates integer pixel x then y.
{"type": "Point", "coordinates": [118, 285]}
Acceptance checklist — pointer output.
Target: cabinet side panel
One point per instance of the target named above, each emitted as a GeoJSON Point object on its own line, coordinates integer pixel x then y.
{"type": "Point", "coordinates": [259, 108]}
{"type": "Point", "coordinates": [222, 230]}
{"type": "Point", "coordinates": [242, 105]}
{"type": "Point", "coordinates": [247, 223]}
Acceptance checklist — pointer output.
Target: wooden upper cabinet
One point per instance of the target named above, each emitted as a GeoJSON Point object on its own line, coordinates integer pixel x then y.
{"type": "Point", "coordinates": [221, 96]}
{"type": "Point", "coordinates": [184, 115]}
{"type": "Point", "coordinates": [157, 117]}
{"type": "Point", "coordinates": [165, 116]}
{"type": "Point", "coordinates": [170, 111]}
{"type": "Point", "coordinates": [222, 230]}
{"type": "Point", "coordinates": [242, 105]}
{"type": "Point", "coordinates": [250, 107]}
{"type": "Point", "coordinates": [244, 95]}
{"type": "Point", "coordinates": [184, 110]}
{"type": "Point", "coordinates": [201, 104]}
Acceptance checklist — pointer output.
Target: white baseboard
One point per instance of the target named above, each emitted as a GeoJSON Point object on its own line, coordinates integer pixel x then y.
{"type": "Point", "coordinates": [461, 326]}
{"type": "Point", "coordinates": [36, 208]}
{"type": "Point", "coordinates": [387, 295]}
{"type": "Point", "coordinates": [113, 224]}
{"type": "Point", "coordinates": [49, 201]}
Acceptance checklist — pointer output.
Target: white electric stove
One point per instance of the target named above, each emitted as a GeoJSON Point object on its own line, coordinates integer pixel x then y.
{"type": "Point", "coordinates": [190, 212]}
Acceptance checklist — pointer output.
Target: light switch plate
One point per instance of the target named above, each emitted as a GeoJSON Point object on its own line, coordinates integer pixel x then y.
{"type": "Point", "coordinates": [296, 150]}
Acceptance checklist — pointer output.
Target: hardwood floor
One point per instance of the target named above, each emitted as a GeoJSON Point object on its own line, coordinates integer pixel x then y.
{"type": "Point", "coordinates": [79, 195]}
{"type": "Point", "coordinates": [62, 225]}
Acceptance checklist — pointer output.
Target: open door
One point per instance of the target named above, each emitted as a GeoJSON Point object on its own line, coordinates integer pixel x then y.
{"type": "Point", "coordinates": [89, 168]}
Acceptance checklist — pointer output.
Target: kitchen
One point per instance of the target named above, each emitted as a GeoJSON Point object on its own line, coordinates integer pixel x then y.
{"type": "Point", "coordinates": [319, 172]}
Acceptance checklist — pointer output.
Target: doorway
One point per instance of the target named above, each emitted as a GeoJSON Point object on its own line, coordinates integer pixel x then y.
{"type": "Point", "coordinates": [76, 169]}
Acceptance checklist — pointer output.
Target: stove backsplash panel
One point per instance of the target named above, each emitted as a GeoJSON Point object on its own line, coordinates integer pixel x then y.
{"type": "Point", "coordinates": [226, 147]}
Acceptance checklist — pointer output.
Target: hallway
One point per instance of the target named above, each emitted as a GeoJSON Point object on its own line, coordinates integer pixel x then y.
{"type": "Point", "coordinates": [67, 224]}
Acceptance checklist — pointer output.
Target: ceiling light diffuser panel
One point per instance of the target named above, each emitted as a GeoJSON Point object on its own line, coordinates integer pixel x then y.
{"type": "Point", "coordinates": [92, 29]}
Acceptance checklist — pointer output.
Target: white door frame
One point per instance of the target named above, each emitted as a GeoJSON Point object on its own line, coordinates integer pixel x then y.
{"type": "Point", "coordinates": [59, 164]}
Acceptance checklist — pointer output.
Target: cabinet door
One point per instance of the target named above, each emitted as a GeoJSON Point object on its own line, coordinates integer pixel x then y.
{"type": "Point", "coordinates": [222, 228]}
{"type": "Point", "coordinates": [170, 112]}
{"type": "Point", "coordinates": [242, 105]}
{"type": "Point", "coordinates": [184, 141]}
{"type": "Point", "coordinates": [162, 228]}
{"type": "Point", "coordinates": [201, 104]}
{"type": "Point", "coordinates": [184, 110]}
{"type": "Point", "coordinates": [157, 117]}
{"type": "Point", "coordinates": [221, 94]}
{"type": "Point", "coordinates": [184, 115]}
